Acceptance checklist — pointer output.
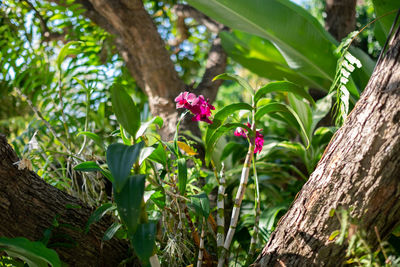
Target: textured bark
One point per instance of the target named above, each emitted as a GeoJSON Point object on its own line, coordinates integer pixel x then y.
{"type": "Point", "coordinates": [360, 169]}
{"type": "Point", "coordinates": [144, 52]}
{"type": "Point", "coordinates": [28, 206]}
{"type": "Point", "coordinates": [340, 17]}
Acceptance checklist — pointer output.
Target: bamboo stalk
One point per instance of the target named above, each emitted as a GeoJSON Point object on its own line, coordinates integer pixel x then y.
{"type": "Point", "coordinates": [201, 247]}
{"type": "Point", "coordinates": [221, 219]}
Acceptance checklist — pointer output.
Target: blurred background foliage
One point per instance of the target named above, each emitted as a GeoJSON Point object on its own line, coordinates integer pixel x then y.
{"type": "Point", "coordinates": [44, 106]}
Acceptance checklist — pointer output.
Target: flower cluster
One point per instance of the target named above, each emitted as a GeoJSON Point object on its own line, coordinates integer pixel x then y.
{"type": "Point", "coordinates": [259, 142]}
{"type": "Point", "coordinates": [200, 108]}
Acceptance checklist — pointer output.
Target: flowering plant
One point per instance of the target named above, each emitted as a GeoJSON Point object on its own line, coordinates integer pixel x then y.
{"type": "Point", "coordinates": [259, 141]}
{"type": "Point", "coordinates": [200, 108]}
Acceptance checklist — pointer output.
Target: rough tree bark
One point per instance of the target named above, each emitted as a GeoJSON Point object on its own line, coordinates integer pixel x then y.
{"type": "Point", "coordinates": [340, 17]}
{"type": "Point", "coordinates": [148, 60]}
{"type": "Point", "coordinates": [360, 169]}
{"type": "Point", "coordinates": [28, 206]}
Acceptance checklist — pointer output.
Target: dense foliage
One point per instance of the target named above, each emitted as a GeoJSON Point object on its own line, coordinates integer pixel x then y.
{"type": "Point", "coordinates": [75, 116]}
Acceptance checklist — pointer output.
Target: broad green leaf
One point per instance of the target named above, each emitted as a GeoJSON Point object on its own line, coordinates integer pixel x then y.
{"type": "Point", "coordinates": [262, 58]}
{"type": "Point", "coordinates": [145, 153]}
{"type": "Point", "coordinates": [159, 155]}
{"type": "Point", "coordinates": [383, 7]}
{"type": "Point", "coordinates": [65, 51]}
{"type": "Point", "coordinates": [129, 201]}
{"type": "Point", "coordinates": [158, 197]}
{"type": "Point", "coordinates": [34, 253]}
{"type": "Point", "coordinates": [110, 232]}
{"type": "Point", "coordinates": [182, 175]}
{"type": "Point", "coordinates": [288, 113]}
{"type": "Point", "coordinates": [283, 86]}
{"type": "Point", "coordinates": [236, 78]}
{"type": "Point", "coordinates": [321, 109]}
{"type": "Point", "coordinates": [98, 214]}
{"type": "Point", "coordinates": [156, 120]}
{"type": "Point", "coordinates": [143, 240]}
{"type": "Point", "coordinates": [218, 133]}
{"type": "Point", "coordinates": [268, 218]}
{"type": "Point", "coordinates": [291, 28]}
{"type": "Point", "coordinates": [200, 204]}
{"type": "Point", "coordinates": [306, 46]}
{"type": "Point", "coordinates": [87, 166]}
{"type": "Point", "coordinates": [120, 159]}
{"type": "Point", "coordinates": [303, 110]}
{"type": "Point", "coordinates": [127, 113]}
{"type": "Point", "coordinates": [96, 139]}
{"type": "Point", "coordinates": [222, 115]}
{"type": "Point", "coordinates": [91, 166]}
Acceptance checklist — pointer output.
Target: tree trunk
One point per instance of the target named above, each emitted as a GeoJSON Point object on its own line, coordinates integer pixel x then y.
{"type": "Point", "coordinates": [340, 17]}
{"type": "Point", "coordinates": [28, 206]}
{"type": "Point", "coordinates": [144, 52]}
{"type": "Point", "coordinates": [359, 170]}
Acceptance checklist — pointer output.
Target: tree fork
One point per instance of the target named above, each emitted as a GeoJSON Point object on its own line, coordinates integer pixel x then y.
{"type": "Point", "coordinates": [359, 170]}
{"type": "Point", "coordinates": [29, 205]}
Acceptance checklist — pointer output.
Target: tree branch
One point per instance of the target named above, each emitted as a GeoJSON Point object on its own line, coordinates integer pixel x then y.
{"type": "Point", "coordinates": [187, 11]}
{"type": "Point", "coordinates": [29, 206]}
{"type": "Point", "coordinates": [216, 61]}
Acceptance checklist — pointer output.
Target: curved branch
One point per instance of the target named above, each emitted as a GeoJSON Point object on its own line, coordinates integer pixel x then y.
{"type": "Point", "coordinates": [216, 61]}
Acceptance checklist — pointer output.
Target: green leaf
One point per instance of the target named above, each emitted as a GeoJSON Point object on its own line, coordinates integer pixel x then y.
{"type": "Point", "coordinates": [65, 51]}
{"type": "Point", "coordinates": [120, 159]}
{"type": "Point", "coordinates": [334, 234]}
{"type": "Point", "coordinates": [110, 232]}
{"type": "Point", "coordinates": [262, 58]}
{"type": "Point", "coordinates": [321, 109]}
{"type": "Point", "coordinates": [156, 120]}
{"type": "Point", "coordinates": [200, 204]}
{"type": "Point", "coordinates": [127, 113]}
{"type": "Point", "coordinates": [145, 153]}
{"type": "Point", "coordinates": [303, 110]}
{"type": "Point", "coordinates": [91, 166]}
{"type": "Point", "coordinates": [283, 86]}
{"type": "Point", "coordinates": [33, 253]}
{"type": "Point", "coordinates": [289, 27]}
{"type": "Point", "coordinates": [222, 115]}
{"type": "Point", "coordinates": [218, 133]}
{"type": "Point", "coordinates": [159, 155]}
{"type": "Point", "coordinates": [382, 7]}
{"type": "Point", "coordinates": [87, 166]}
{"type": "Point", "coordinates": [288, 113]}
{"type": "Point", "coordinates": [236, 78]}
{"type": "Point", "coordinates": [97, 140]}
{"type": "Point", "coordinates": [158, 197]}
{"type": "Point", "coordinates": [182, 175]}
{"type": "Point", "coordinates": [129, 201]}
{"type": "Point", "coordinates": [98, 214]}
{"type": "Point", "coordinates": [281, 22]}
{"type": "Point", "coordinates": [143, 240]}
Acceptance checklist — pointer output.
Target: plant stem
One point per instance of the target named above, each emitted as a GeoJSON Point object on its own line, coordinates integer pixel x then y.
{"type": "Point", "coordinates": [154, 262]}
{"type": "Point", "coordinates": [201, 247]}
{"type": "Point", "coordinates": [257, 209]}
{"type": "Point", "coordinates": [221, 218]}
{"type": "Point", "coordinates": [243, 184]}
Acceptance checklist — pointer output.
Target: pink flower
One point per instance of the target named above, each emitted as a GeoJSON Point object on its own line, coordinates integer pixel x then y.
{"type": "Point", "coordinates": [183, 100]}
{"type": "Point", "coordinates": [259, 141]}
{"type": "Point", "coordinates": [200, 108]}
